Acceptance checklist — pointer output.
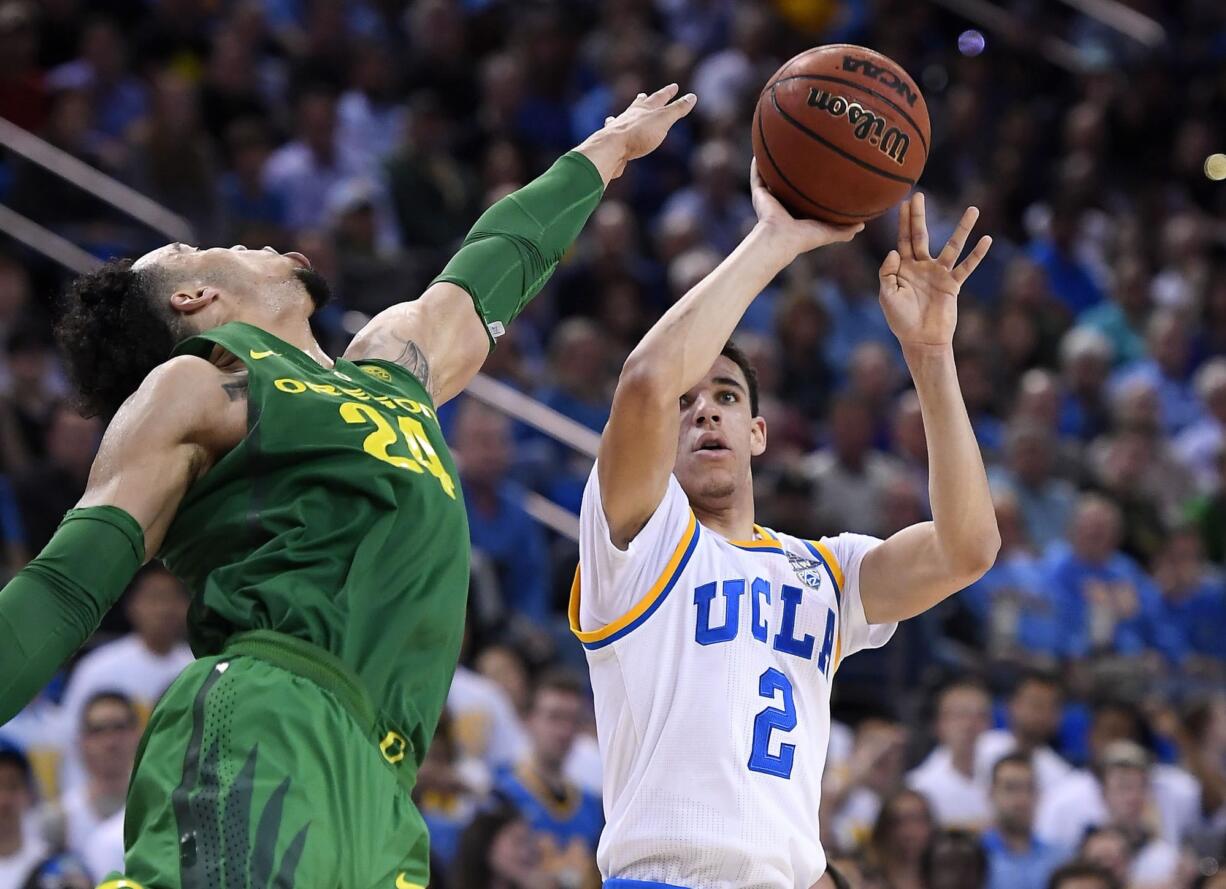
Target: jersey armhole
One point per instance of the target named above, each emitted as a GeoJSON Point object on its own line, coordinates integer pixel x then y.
{"type": "Point", "coordinates": [825, 555]}
{"type": "Point", "coordinates": [644, 607]}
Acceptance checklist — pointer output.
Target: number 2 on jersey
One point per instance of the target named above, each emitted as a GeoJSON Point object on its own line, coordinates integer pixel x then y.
{"type": "Point", "coordinates": [784, 719]}
{"type": "Point", "coordinates": [422, 457]}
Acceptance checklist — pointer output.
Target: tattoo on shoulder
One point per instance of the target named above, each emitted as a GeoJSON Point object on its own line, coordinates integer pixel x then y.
{"type": "Point", "coordinates": [413, 359]}
{"type": "Point", "coordinates": [236, 389]}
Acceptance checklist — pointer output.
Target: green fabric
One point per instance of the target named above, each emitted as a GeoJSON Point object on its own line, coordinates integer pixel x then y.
{"type": "Point", "coordinates": [55, 603]}
{"type": "Point", "coordinates": [519, 241]}
{"type": "Point", "coordinates": [337, 521]}
{"type": "Point", "coordinates": [251, 776]}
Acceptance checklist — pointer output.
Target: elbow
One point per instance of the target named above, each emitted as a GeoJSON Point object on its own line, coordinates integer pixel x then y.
{"type": "Point", "coordinates": [974, 557]}
{"type": "Point", "coordinates": [644, 381]}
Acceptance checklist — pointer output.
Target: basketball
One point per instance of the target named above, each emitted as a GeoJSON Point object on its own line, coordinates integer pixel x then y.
{"type": "Point", "coordinates": [841, 134]}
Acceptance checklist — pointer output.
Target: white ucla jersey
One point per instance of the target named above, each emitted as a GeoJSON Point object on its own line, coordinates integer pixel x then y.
{"type": "Point", "coordinates": [711, 663]}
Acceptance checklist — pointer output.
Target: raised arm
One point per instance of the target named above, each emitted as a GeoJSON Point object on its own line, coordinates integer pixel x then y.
{"type": "Point", "coordinates": [158, 442]}
{"type": "Point", "coordinates": [639, 444]}
{"type": "Point", "coordinates": [510, 254]}
{"type": "Point", "coordinates": [921, 565]}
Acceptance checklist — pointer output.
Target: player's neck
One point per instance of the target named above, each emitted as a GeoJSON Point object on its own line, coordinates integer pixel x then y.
{"type": "Point", "coordinates": [293, 328]}
{"type": "Point", "coordinates": [732, 522]}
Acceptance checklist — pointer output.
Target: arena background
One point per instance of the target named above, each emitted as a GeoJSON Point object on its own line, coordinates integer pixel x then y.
{"type": "Point", "coordinates": [1091, 349]}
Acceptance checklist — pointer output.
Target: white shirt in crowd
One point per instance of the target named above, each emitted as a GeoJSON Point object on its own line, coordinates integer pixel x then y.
{"type": "Point", "coordinates": [956, 800]}
{"type": "Point", "coordinates": [14, 869]}
{"type": "Point", "coordinates": [1050, 768]}
{"type": "Point", "coordinates": [1156, 864]}
{"type": "Point", "coordinates": [1077, 804]}
{"type": "Point", "coordinates": [484, 723]}
{"type": "Point", "coordinates": [103, 851]}
{"type": "Point", "coordinates": [125, 665]}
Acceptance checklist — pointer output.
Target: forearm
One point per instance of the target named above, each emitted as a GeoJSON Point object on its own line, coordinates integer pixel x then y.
{"type": "Point", "coordinates": [51, 606]}
{"type": "Point", "coordinates": [964, 519]}
{"type": "Point", "coordinates": [681, 347]}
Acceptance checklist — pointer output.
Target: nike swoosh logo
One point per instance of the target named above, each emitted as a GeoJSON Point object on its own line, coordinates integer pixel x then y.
{"type": "Point", "coordinates": [258, 355]}
{"type": "Point", "coordinates": [402, 882]}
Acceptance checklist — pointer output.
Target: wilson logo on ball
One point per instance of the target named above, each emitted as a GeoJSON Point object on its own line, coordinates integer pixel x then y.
{"type": "Point", "coordinates": [866, 125]}
{"type": "Point", "coordinates": [882, 75]}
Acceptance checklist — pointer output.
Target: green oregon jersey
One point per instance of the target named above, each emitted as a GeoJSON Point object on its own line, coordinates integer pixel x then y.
{"type": "Point", "coordinates": [338, 520]}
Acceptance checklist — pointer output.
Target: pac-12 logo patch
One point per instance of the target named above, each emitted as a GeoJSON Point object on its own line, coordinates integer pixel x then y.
{"type": "Point", "coordinates": [377, 372]}
{"type": "Point", "coordinates": [809, 571]}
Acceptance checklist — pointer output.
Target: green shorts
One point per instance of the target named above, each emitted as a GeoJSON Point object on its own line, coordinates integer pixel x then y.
{"type": "Point", "coordinates": [264, 768]}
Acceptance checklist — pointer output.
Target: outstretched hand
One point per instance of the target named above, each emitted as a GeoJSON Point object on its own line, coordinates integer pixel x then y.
{"type": "Point", "coordinates": [919, 294]}
{"type": "Point", "coordinates": [643, 125]}
{"type": "Point", "coordinates": [799, 235]}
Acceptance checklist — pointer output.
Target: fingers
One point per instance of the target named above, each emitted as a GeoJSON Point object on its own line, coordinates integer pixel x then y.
{"type": "Point", "coordinates": [660, 97]}
{"type": "Point", "coordinates": [919, 226]}
{"type": "Point", "coordinates": [904, 230]}
{"type": "Point", "coordinates": [953, 247]}
{"type": "Point", "coordinates": [888, 273]}
{"type": "Point", "coordinates": [682, 106]}
{"type": "Point", "coordinates": [968, 265]}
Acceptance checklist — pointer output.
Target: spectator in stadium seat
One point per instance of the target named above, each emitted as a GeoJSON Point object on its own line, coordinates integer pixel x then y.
{"type": "Point", "coordinates": [117, 99]}
{"type": "Point", "coordinates": [498, 524]}
{"type": "Point", "coordinates": [20, 847]}
{"type": "Point", "coordinates": [1077, 803]}
{"type": "Point", "coordinates": [251, 211]}
{"type": "Point", "coordinates": [1083, 875]}
{"type": "Point", "coordinates": [1130, 810]}
{"type": "Point", "coordinates": [1121, 319]}
{"type": "Point", "coordinates": [902, 833]}
{"type": "Point", "coordinates": [954, 860]}
{"type": "Point", "coordinates": [141, 664]}
{"type": "Point", "coordinates": [303, 171]}
{"type": "Point", "coordinates": [1202, 751]}
{"type": "Point", "coordinates": [1085, 365]}
{"type": "Point", "coordinates": [849, 474]}
{"type": "Point", "coordinates": [568, 818]}
{"type": "Point", "coordinates": [1072, 281]}
{"type": "Point", "coordinates": [499, 850]}
{"type": "Point", "coordinates": [53, 485]}
{"type": "Point", "coordinates": [1168, 338]}
{"type": "Point", "coordinates": [1017, 859]}
{"type": "Point", "coordinates": [108, 734]}
{"type": "Point", "coordinates": [1045, 499]}
{"type": "Point", "coordinates": [1108, 848]}
{"type": "Point", "coordinates": [1104, 599]}
{"type": "Point", "coordinates": [448, 792]}
{"type": "Point", "coordinates": [31, 394]}
{"type": "Point", "coordinates": [1194, 595]}
{"type": "Point", "coordinates": [947, 776]}
{"type": "Point", "coordinates": [715, 199]}
{"type": "Point", "coordinates": [854, 790]}
{"type": "Point", "coordinates": [1033, 719]}
{"type": "Point", "coordinates": [1198, 446]}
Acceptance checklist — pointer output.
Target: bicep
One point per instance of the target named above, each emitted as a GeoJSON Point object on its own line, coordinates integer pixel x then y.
{"type": "Point", "coordinates": [148, 458]}
{"type": "Point", "coordinates": [637, 453]}
{"type": "Point", "coordinates": [906, 575]}
{"type": "Point", "coordinates": [439, 338]}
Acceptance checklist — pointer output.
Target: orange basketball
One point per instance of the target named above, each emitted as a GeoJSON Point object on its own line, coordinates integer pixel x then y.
{"type": "Point", "coordinates": [840, 133]}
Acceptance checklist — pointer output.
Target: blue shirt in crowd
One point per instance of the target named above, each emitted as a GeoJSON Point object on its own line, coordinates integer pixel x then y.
{"type": "Point", "coordinates": [1069, 280]}
{"type": "Point", "coordinates": [577, 818]}
{"type": "Point", "coordinates": [516, 544]}
{"type": "Point", "coordinates": [1069, 577]}
{"type": "Point", "coordinates": [1178, 404]}
{"type": "Point", "coordinates": [1008, 869]}
{"type": "Point", "coordinates": [1200, 619]}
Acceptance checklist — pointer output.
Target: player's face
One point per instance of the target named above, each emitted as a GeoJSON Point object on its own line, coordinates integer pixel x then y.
{"type": "Point", "coordinates": [237, 271]}
{"type": "Point", "coordinates": [718, 435]}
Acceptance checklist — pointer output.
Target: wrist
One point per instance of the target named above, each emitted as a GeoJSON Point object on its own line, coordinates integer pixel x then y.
{"type": "Point", "coordinates": [771, 243]}
{"type": "Point", "coordinates": [920, 356]}
{"type": "Point", "coordinates": [606, 149]}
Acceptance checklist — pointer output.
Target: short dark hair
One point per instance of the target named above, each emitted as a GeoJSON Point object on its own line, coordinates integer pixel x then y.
{"type": "Point", "coordinates": [954, 837]}
{"type": "Point", "coordinates": [1016, 758]}
{"type": "Point", "coordinates": [472, 869]}
{"type": "Point", "coordinates": [112, 333]}
{"type": "Point", "coordinates": [560, 679]}
{"type": "Point", "coordinates": [1037, 676]}
{"type": "Point", "coordinates": [12, 755]}
{"type": "Point", "coordinates": [1079, 869]}
{"type": "Point", "coordinates": [112, 696]}
{"type": "Point", "coordinates": [733, 353]}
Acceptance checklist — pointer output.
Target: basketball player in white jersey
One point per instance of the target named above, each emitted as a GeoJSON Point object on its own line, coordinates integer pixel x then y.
{"type": "Point", "coordinates": [712, 641]}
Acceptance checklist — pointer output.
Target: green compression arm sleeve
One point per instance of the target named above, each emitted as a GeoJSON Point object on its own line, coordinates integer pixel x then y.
{"type": "Point", "coordinates": [52, 605]}
{"type": "Point", "coordinates": [518, 242]}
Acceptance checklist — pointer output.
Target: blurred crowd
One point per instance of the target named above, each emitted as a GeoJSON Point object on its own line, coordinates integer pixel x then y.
{"type": "Point", "coordinates": [1062, 723]}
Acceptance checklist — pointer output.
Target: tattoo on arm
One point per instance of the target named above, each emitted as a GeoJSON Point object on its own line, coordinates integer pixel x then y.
{"type": "Point", "coordinates": [413, 359]}
{"type": "Point", "coordinates": [236, 389]}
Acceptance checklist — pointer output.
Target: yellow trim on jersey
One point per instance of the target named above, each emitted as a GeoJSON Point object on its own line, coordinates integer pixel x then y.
{"type": "Point", "coordinates": [835, 568]}
{"type": "Point", "coordinates": [643, 604]}
{"type": "Point", "coordinates": [563, 810]}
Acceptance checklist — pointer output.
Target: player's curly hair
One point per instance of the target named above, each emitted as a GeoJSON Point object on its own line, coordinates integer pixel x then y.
{"type": "Point", "coordinates": [112, 331]}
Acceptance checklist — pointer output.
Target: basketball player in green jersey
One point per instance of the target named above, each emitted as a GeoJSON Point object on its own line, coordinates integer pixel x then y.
{"type": "Point", "coordinates": [312, 507]}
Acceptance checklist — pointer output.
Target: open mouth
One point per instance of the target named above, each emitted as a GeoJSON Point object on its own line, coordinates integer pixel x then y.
{"type": "Point", "coordinates": [711, 444]}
